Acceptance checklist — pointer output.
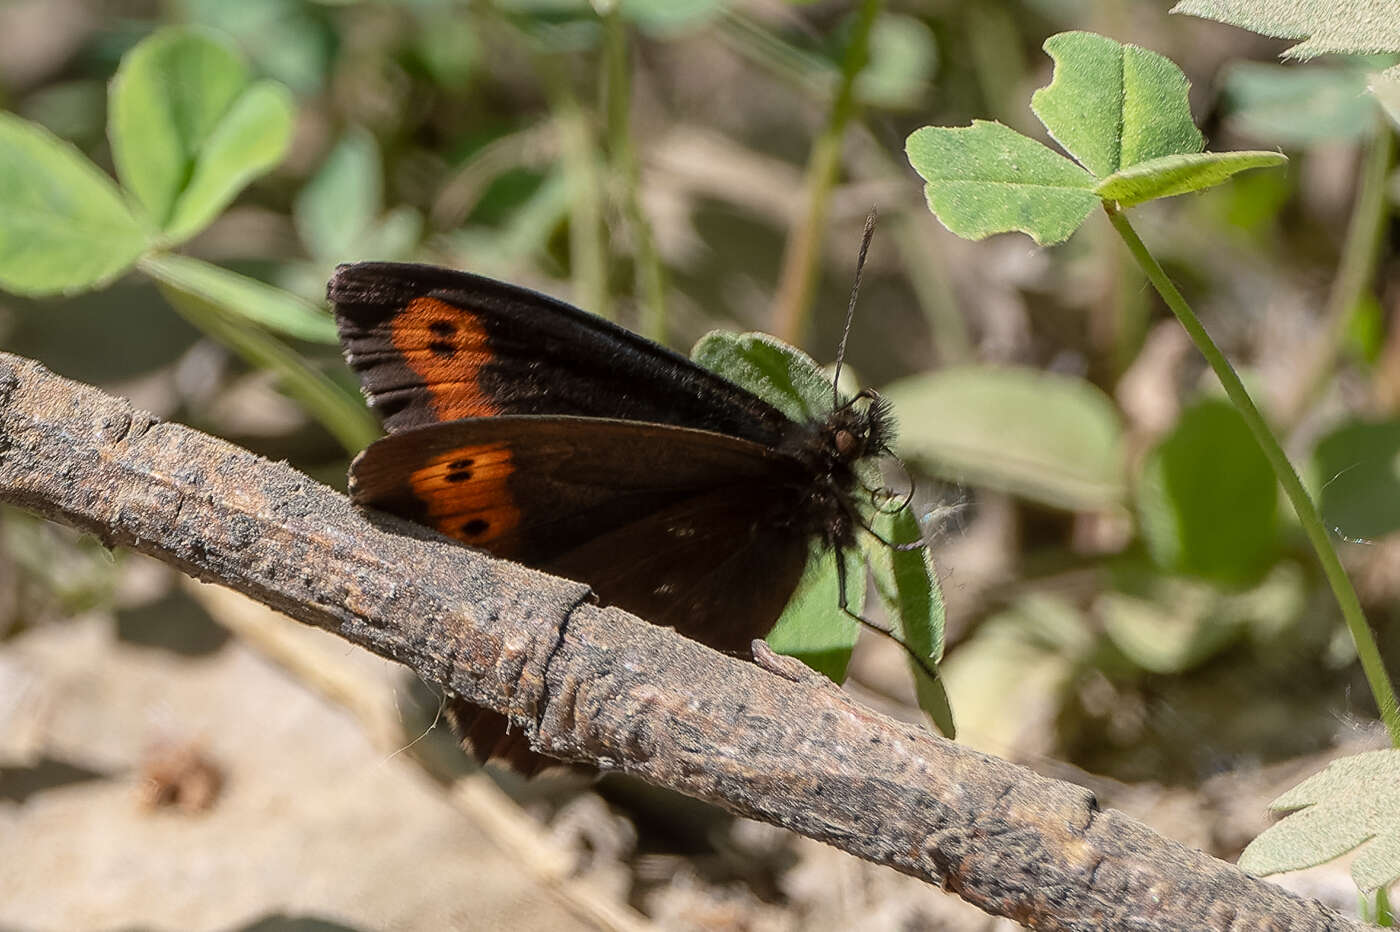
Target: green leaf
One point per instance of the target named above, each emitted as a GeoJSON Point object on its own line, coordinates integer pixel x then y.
{"type": "Point", "coordinates": [1207, 498]}
{"type": "Point", "coordinates": [987, 178]}
{"type": "Point", "coordinates": [1357, 471]}
{"type": "Point", "coordinates": [1112, 105]}
{"type": "Point", "coordinates": [1169, 625]}
{"type": "Point", "coordinates": [1366, 329]}
{"type": "Point", "coordinates": [342, 413]}
{"type": "Point", "coordinates": [1354, 802]}
{"type": "Point", "coordinates": [1171, 175]}
{"type": "Point", "coordinates": [903, 55]}
{"type": "Point", "coordinates": [188, 130]}
{"type": "Point", "coordinates": [1386, 87]}
{"type": "Point", "coordinates": [241, 296]}
{"type": "Point", "coordinates": [908, 585]}
{"type": "Point", "coordinates": [290, 40]}
{"type": "Point", "coordinates": [250, 140]}
{"type": "Point", "coordinates": [63, 225]}
{"type": "Point", "coordinates": [449, 47]}
{"type": "Point", "coordinates": [524, 232]}
{"type": "Point", "coordinates": [1329, 26]}
{"type": "Point", "coordinates": [1051, 438]}
{"type": "Point", "coordinates": [1295, 106]}
{"type": "Point", "coordinates": [813, 628]}
{"type": "Point", "coordinates": [781, 375]}
{"type": "Point", "coordinates": [340, 202]}
{"type": "Point", "coordinates": [1022, 658]}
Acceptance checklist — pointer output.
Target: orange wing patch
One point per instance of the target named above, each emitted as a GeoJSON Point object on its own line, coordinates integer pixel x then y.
{"type": "Point", "coordinates": [446, 347]}
{"type": "Point", "coordinates": [465, 495]}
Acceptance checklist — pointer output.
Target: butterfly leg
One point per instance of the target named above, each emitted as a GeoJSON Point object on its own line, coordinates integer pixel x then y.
{"type": "Point", "coordinates": [920, 661]}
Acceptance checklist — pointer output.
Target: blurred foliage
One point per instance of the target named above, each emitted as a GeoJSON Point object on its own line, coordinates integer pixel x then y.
{"type": "Point", "coordinates": [1114, 538]}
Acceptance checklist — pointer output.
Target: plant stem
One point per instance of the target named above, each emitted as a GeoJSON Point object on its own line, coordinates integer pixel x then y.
{"type": "Point", "coordinates": [1355, 271]}
{"type": "Point", "coordinates": [617, 104]}
{"type": "Point", "coordinates": [588, 260]}
{"type": "Point", "coordinates": [793, 302]}
{"type": "Point", "coordinates": [1371, 663]}
{"type": "Point", "coordinates": [336, 409]}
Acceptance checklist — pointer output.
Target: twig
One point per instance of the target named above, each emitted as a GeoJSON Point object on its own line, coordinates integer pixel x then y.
{"type": "Point", "coordinates": [598, 685]}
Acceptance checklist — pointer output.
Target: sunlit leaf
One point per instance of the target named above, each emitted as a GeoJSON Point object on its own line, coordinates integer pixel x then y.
{"type": "Point", "coordinates": [1180, 174]}
{"type": "Point", "coordinates": [342, 199]}
{"type": "Point", "coordinates": [1208, 499]}
{"type": "Point", "coordinates": [1357, 471]}
{"type": "Point", "coordinates": [782, 375]}
{"type": "Point", "coordinates": [1171, 624]}
{"type": "Point", "coordinates": [1299, 105]}
{"type": "Point", "coordinates": [1354, 802]}
{"type": "Point", "coordinates": [241, 296]}
{"type": "Point", "coordinates": [813, 628]}
{"type": "Point", "coordinates": [189, 128]}
{"type": "Point", "coordinates": [1009, 679]}
{"type": "Point", "coordinates": [907, 583]}
{"type": "Point", "coordinates": [1386, 87]}
{"type": "Point", "coordinates": [1326, 26]}
{"type": "Point", "coordinates": [987, 178]}
{"type": "Point", "coordinates": [289, 40]}
{"type": "Point", "coordinates": [64, 226]}
{"type": "Point", "coordinates": [1051, 438]}
{"type": "Point", "coordinates": [1113, 105]}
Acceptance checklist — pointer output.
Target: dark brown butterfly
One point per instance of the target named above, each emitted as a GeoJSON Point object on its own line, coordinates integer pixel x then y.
{"type": "Point", "coordinates": [524, 426]}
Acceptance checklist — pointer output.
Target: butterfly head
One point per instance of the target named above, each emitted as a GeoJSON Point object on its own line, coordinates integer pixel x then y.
{"type": "Point", "coordinates": [839, 455]}
{"type": "Point", "coordinates": [860, 427]}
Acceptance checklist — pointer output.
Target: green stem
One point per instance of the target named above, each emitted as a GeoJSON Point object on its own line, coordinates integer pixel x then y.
{"type": "Point", "coordinates": [793, 303]}
{"type": "Point", "coordinates": [1357, 268]}
{"type": "Point", "coordinates": [650, 278]}
{"type": "Point", "coordinates": [588, 260]}
{"type": "Point", "coordinates": [1366, 651]}
{"type": "Point", "coordinates": [337, 410]}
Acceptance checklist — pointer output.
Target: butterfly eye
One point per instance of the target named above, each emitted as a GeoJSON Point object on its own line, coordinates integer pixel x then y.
{"type": "Point", "coordinates": [847, 443]}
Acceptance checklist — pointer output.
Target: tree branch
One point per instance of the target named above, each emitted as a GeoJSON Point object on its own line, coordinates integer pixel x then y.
{"type": "Point", "coordinates": [598, 685]}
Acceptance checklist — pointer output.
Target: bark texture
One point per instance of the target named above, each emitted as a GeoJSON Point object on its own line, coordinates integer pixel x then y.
{"type": "Point", "coordinates": [600, 686]}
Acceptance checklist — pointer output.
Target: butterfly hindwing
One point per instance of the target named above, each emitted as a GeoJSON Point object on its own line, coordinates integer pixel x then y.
{"type": "Point", "coordinates": [433, 345]}
{"type": "Point", "coordinates": [533, 488]}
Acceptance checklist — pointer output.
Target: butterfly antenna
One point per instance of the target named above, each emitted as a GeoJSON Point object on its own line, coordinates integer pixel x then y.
{"type": "Point", "coordinates": [865, 238]}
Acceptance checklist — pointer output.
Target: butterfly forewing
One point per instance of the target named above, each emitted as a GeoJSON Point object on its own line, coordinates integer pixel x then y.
{"type": "Point", "coordinates": [435, 345]}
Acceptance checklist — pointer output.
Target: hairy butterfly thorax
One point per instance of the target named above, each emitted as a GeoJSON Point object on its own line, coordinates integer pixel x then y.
{"type": "Point", "coordinates": [834, 450]}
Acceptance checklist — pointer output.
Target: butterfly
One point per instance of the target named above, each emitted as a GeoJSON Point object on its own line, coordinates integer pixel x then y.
{"type": "Point", "coordinates": [521, 425]}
